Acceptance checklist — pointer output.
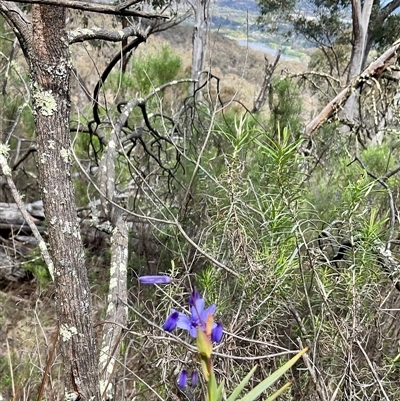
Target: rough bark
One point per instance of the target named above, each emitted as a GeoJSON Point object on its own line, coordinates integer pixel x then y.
{"type": "Point", "coordinates": [50, 73]}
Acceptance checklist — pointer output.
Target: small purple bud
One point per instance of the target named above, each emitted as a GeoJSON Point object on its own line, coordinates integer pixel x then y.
{"type": "Point", "coordinates": [216, 333]}
{"type": "Point", "coordinates": [155, 279]}
{"type": "Point", "coordinates": [171, 322]}
{"type": "Point", "coordinates": [182, 379]}
{"type": "Point", "coordinates": [194, 379]}
{"type": "Point", "coordinates": [194, 296]}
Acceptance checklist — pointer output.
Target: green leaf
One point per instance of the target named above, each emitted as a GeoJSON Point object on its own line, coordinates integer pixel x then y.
{"type": "Point", "coordinates": [270, 380]}
{"type": "Point", "coordinates": [279, 392]}
{"type": "Point", "coordinates": [212, 388]}
{"type": "Point", "coordinates": [220, 391]}
{"type": "Point", "coordinates": [241, 385]}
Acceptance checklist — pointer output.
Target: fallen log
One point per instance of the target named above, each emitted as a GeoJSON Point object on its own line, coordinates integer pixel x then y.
{"type": "Point", "coordinates": [16, 238]}
{"type": "Point", "coordinates": [11, 220]}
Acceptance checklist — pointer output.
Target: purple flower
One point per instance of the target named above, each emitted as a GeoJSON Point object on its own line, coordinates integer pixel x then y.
{"type": "Point", "coordinates": [155, 279]}
{"type": "Point", "coordinates": [194, 379]}
{"type": "Point", "coordinates": [198, 317]}
{"type": "Point", "coordinates": [216, 333]}
{"type": "Point", "coordinates": [194, 296]}
{"type": "Point", "coordinates": [182, 379]}
{"type": "Point", "coordinates": [171, 321]}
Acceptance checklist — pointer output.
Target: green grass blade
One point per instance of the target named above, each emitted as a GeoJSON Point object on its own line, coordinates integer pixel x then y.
{"type": "Point", "coordinates": [279, 392]}
{"type": "Point", "coordinates": [241, 385]}
{"type": "Point", "coordinates": [270, 380]}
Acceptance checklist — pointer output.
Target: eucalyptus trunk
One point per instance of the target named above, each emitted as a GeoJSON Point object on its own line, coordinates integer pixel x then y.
{"type": "Point", "coordinates": [361, 14]}
{"type": "Point", "coordinates": [50, 67]}
{"type": "Point", "coordinates": [201, 16]}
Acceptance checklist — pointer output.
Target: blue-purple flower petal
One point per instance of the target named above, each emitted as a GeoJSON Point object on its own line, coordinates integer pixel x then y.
{"type": "Point", "coordinates": [194, 379]}
{"type": "Point", "coordinates": [184, 322]}
{"type": "Point", "coordinates": [217, 333]}
{"type": "Point", "coordinates": [197, 319]}
{"type": "Point", "coordinates": [182, 379]}
{"type": "Point", "coordinates": [193, 331]}
{"type": "Point", "coordinates": [209, 311]}
{"type": "Point", "coordinates": [155, 279]}
{"type": "Point", "coordinates": [172, 321]}
{"type": "Point", "coordinates": [194, 296]}
{"type": "Point", "coordinates": [197, 309]}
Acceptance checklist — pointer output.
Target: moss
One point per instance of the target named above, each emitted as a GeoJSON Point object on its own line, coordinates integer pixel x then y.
{"type": "Point", "coordinates": [38, 268]}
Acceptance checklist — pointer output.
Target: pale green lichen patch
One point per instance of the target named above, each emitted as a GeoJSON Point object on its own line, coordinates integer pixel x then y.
{"type": "Point", "coordinates": [6, 170]}
{"type": "Point", "coordinates": [110, 308]}
{"type": "Point", "coordinates": [113, 283]}
{"type": "Point", "coordinates": [104, 355]}
{"type": "Point", "coordinates": [4, 166]}
{"type": "Point", "coordinates": [66, 155]}
{"type": "Point", "coordinates": [43, 158]}
{"type": "Point", "coordinates": [122, 267]}
{"type": "Point", "coordinates": [44, 101]}
{"type": "Point", "coordinates": [66, 332]}
{"type": "Point", "coordinates": [50, 265]}
{"type": "Point", "coordinates": [4, 149]}
{"type": "Point", "coordinates": [66, 228]}
{"type": "Point", "coordinates": [83, 32]}
{"type": "Point", "coordinates": [70, 396]}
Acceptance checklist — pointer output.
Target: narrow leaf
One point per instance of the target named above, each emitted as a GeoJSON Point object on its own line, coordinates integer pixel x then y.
{"type": "Point", "coordinates": [204, 367]}
{"type": "Point", "coordinates": [279, 392]}
{"type": "Point", "coordinates": [220, 391]}
{"type": "Point", "coordinates": [241, 385]}
{"type": "Point", "coordinates": [212, 388]}
{"type": "Point", "coordinates": [270, 380]}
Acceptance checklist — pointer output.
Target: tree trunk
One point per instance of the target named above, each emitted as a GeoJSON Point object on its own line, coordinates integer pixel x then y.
{"type": "Point", "coordinates": [117, 311]}
{"type": "Point", "coordinates": [50, 72]}
{"type": "Point", "coordinates": [201, 14]}
{"type": "Point", "coordinates": [361, 14]}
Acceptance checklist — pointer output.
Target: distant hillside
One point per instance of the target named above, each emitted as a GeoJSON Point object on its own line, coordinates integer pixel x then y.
{"type": "Point", "coordinates": [238, 67]}
{"type": "Point", "coordinates": [245, 5]}
{"type": "Point", "coordinates": [238, 19]}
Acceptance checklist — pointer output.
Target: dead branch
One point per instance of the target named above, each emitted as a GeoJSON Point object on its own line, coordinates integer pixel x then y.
{"type": "Point", "coordinates": [266, 85]}
{"type": "Point", "coordinates": [92, 7]}
{"type": "Point", "coordinates": [373, 71]}
{"type": "Point", "coordinates": [18, 200]}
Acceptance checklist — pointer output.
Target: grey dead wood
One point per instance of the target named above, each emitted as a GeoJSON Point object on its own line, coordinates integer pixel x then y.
{"type": "Point", "coordinates": [373, 71]}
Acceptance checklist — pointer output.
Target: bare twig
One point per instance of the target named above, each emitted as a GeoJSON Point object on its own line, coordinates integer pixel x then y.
{"type": "Point", "coordinates": [319, 384]}
{"type": "Point", "coordinates": [392, 206]}
{"type": "Point", "coordinates": [266, 85]}
{"type": "Point", "coordinates": [373, 371]}
{"type": "Point", "coordinates": [21, 206]}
